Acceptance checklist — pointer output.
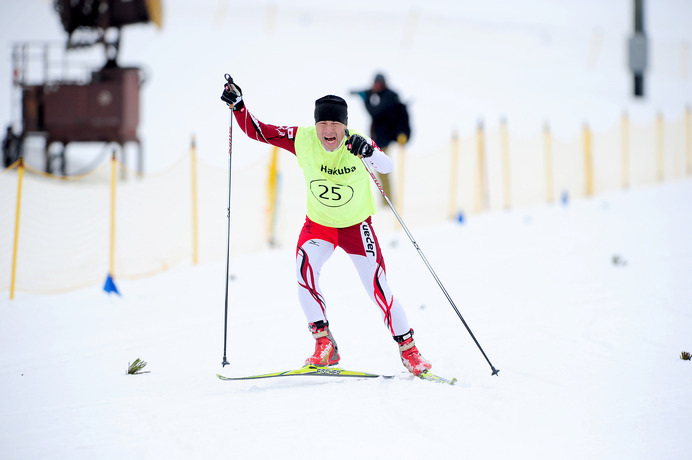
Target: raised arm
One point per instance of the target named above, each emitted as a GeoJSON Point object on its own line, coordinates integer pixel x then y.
{"type": "Point", "coordinates": [280, 136]}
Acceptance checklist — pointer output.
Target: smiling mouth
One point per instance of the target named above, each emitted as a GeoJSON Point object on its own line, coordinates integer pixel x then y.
{"type": "Point", "coordinates": [330, 139]}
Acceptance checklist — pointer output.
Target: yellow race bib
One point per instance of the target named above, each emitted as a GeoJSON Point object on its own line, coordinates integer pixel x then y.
{"type": "Point", "coordinates": [337, 184]}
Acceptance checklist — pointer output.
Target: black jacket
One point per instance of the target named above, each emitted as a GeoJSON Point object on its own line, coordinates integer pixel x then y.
{"type": "Point", "coordinates": [382, 107]}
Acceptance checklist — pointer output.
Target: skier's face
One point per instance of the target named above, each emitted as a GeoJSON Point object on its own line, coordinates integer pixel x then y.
{"type": "Point", "coordinates": [330, 133]}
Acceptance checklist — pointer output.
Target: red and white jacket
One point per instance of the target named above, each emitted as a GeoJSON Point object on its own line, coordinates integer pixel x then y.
{"type": "Point", "coordinates": [284, 137]}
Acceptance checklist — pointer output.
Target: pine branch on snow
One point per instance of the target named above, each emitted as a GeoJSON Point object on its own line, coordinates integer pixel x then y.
{"type": "Point", "coordinates": [136, 367]}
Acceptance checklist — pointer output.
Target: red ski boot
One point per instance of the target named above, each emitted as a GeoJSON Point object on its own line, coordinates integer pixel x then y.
{"type": "Point", "coordinates": [410, 356]}
{"type": "Point", "coordinates": [326, 350]}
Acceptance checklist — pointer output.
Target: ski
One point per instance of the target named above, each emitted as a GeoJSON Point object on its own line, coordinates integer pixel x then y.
{"type": "Point", "coordinates": [310, 370]}
{"type": "Point", "coordinates": [427, 375]}
{"type": "Point", "coordinates": [321, 371]}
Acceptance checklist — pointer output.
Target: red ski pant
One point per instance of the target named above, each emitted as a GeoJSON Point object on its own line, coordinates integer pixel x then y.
{"type": "Point", "coordinates": [317, 243]}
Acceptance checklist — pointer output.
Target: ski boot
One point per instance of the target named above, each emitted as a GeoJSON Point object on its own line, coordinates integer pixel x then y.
{"type": "Point", "coordinates": [410, 356]}
{"type": "Point", "coordinates": [326, 350]}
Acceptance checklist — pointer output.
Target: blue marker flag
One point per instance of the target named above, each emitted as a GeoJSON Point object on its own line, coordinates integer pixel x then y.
{"type": "Point", "coordinates": [110, 285]}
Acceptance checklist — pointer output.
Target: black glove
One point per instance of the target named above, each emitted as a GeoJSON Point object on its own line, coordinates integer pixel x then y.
{"type": "Point", "coordinates": [357, 145]}
{"type": "Point", "coordinates": [232, 94]}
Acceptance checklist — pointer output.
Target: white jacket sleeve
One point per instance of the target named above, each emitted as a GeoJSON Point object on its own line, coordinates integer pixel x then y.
{"type": "Point", "coordinates": [379, 160]}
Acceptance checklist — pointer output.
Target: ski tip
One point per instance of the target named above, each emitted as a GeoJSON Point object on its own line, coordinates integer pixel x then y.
{"type": "Point", "coordinates": [427, 375]}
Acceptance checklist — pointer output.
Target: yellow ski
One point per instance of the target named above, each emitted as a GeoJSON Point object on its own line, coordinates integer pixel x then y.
{"type": "Point", "coordinates": [311, 370]}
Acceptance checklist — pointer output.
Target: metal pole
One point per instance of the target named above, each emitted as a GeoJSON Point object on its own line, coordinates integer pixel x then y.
{"type": "Point", "coordinates": [427, 264]}
{"type": "Point", "coordinates": [228, 234]}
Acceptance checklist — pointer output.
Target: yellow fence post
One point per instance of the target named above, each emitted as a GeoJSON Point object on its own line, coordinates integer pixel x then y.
{"type": "Point", "coordinates": [272, 194]}
{"type": "Point", "coordinates": [20, 172]}
{"type": "Point", "coordinates": [195, 214]}
{"type": "Point", "coordinates": [588, 162]}
{"type": "Point", "coordinates": [480, 202]}
{"type": "Point", "coordinates": [548, 153]}
{"type": "Point", "coordinates": [400, 178]}
{"type": "Point", "coordinates": [625, 144]}
{"type": "Point", "coordinates": [110, 286]}
{"type": "Point", "coordinates": [114, 178]}
{"type": "Point", "coordinates": [506, 174]}
{"type": "Point", "coordinates": [659, 147]}
{"type": "Point", "coordinates": [688, 138]}
{"type": "Point", "coordinates": [454, 176]}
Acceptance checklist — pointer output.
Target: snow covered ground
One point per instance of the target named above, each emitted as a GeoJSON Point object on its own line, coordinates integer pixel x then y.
{"type": "Point", "coordinates": [584, 308]}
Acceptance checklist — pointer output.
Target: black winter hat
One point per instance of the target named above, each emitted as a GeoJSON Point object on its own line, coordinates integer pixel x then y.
{"type": "Point", "coordinates": [331, 108]}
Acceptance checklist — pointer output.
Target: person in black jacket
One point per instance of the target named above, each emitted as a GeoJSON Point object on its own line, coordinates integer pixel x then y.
{"type": "Point", "coordinates": [10, 147]}
{"type": "Point", "coordinates": [387, 126]}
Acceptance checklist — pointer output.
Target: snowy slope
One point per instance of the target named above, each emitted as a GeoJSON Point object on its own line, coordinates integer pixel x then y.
{"type": "Point", "coordinates": [584, 308]}
{"type": "Point", "coordinates": [588, 349]}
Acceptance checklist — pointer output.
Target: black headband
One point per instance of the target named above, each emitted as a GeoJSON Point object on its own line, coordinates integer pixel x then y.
{"type": "Point", "coordinates": [331, 108]}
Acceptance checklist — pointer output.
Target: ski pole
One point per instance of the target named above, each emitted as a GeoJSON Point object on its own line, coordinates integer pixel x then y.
{"type": "Point", "coordinates": [427, 264]}
{"type": "Point", "coordinates": [228, 229]}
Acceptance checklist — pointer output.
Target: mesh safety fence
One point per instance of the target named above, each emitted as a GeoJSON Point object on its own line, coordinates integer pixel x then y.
{"type": "Point", "coordinates": [64, 230]}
